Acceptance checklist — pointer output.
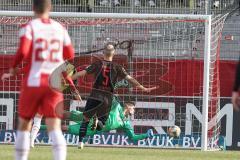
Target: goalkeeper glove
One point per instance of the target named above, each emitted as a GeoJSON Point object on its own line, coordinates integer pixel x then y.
{"type": "Point", "coordinates": [150, 133]}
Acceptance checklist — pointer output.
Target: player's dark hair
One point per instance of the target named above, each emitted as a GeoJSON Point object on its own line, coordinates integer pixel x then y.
{"type": "Point", "coordinates": [40, 6]}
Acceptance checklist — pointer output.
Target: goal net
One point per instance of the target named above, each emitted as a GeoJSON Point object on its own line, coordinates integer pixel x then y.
{"type": "Point", "coordinates": [177, 53]}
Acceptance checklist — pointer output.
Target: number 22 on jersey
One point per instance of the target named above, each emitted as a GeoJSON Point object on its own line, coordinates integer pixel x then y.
{"type": "Point", "coordinates": [47, 51]}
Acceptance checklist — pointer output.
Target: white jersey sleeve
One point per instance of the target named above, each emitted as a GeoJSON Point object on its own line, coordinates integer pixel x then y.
{"type": "Point", "coordinates": [26, 31]}
{"type": "Point", "coordinates": [66, 40]}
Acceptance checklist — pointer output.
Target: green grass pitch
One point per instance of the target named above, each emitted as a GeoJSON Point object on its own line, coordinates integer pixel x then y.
{"type": "Point", "coordinates": [98, 153]}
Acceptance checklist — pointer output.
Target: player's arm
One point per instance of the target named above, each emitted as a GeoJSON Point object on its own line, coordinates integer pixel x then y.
{"type": "Point", "coordinates": [23, 51]}
{"type": "Point", "coordinates": [136, 84]}
{"type": "Point", "coordinates": [124, 75]}
{"type": "Point", "coordinates": [235, 93]}
{"type": "Point", "coordinates": [88, 70]}
{"type": "Point", "coordinates": [129, 131]}
{"type": "Point", "coordinates": [68, 80]}
{"type": "Point", "coordinates": [79, 74]}
{"type": "Point", "coordinates": [68, 50]}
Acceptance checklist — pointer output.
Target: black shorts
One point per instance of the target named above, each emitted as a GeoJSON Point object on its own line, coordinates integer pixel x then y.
{"type": "Point", "coordinates": [98, 104]}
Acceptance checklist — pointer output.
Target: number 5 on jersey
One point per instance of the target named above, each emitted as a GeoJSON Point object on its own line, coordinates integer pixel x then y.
{"type": "Point", "coordinates": [105, 73]}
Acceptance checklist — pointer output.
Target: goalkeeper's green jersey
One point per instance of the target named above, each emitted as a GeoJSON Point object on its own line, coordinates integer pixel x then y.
{"type": "Point", "coordinates": [115, 121]}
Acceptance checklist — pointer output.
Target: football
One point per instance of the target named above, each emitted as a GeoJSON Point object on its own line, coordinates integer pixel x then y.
{"type": "Point", "coordinates": [174, 131]}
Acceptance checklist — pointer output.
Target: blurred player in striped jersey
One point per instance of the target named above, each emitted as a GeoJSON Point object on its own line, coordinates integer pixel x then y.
{"type": "Point", "coordinates": [45, 44]}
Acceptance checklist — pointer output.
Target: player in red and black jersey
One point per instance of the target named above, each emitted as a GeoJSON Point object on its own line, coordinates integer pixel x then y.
{"type": "Point", "coordinates": [106, 74]}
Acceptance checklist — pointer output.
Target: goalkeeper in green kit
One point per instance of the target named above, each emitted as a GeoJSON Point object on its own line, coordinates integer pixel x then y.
{"type": "Point", "coordinates": [118, 119]}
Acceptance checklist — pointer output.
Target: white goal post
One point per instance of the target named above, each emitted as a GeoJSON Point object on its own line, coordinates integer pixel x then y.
{"type": "Point", "coordinates": [202, 32]}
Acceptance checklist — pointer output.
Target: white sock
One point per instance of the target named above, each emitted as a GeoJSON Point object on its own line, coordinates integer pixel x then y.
{"type": "Point", "coordinates": [58, 144]}
{"type": "Point", "coordinates": [35, 128]}
{"type": "Point", "coordinates": [22, 145]}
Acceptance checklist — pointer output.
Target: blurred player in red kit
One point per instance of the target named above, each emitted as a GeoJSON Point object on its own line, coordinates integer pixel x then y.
{"type": "Point", "coordinates": [236, 89]}
{"type": "Point", "coordinates": [45, 44]}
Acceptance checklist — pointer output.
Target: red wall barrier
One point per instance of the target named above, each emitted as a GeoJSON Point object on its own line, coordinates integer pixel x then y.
{"type": "Point", "coordinates": [174, 78]}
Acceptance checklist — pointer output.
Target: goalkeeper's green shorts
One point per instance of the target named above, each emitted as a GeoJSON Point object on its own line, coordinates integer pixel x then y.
{"type": "Point", "coordinates": [74, 129]}
{"type": "Point", "coordinates": [76, 116]}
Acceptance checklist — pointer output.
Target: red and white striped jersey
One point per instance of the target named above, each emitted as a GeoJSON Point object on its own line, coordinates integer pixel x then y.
{"type": "Point", "coordinates": [46, 44]}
